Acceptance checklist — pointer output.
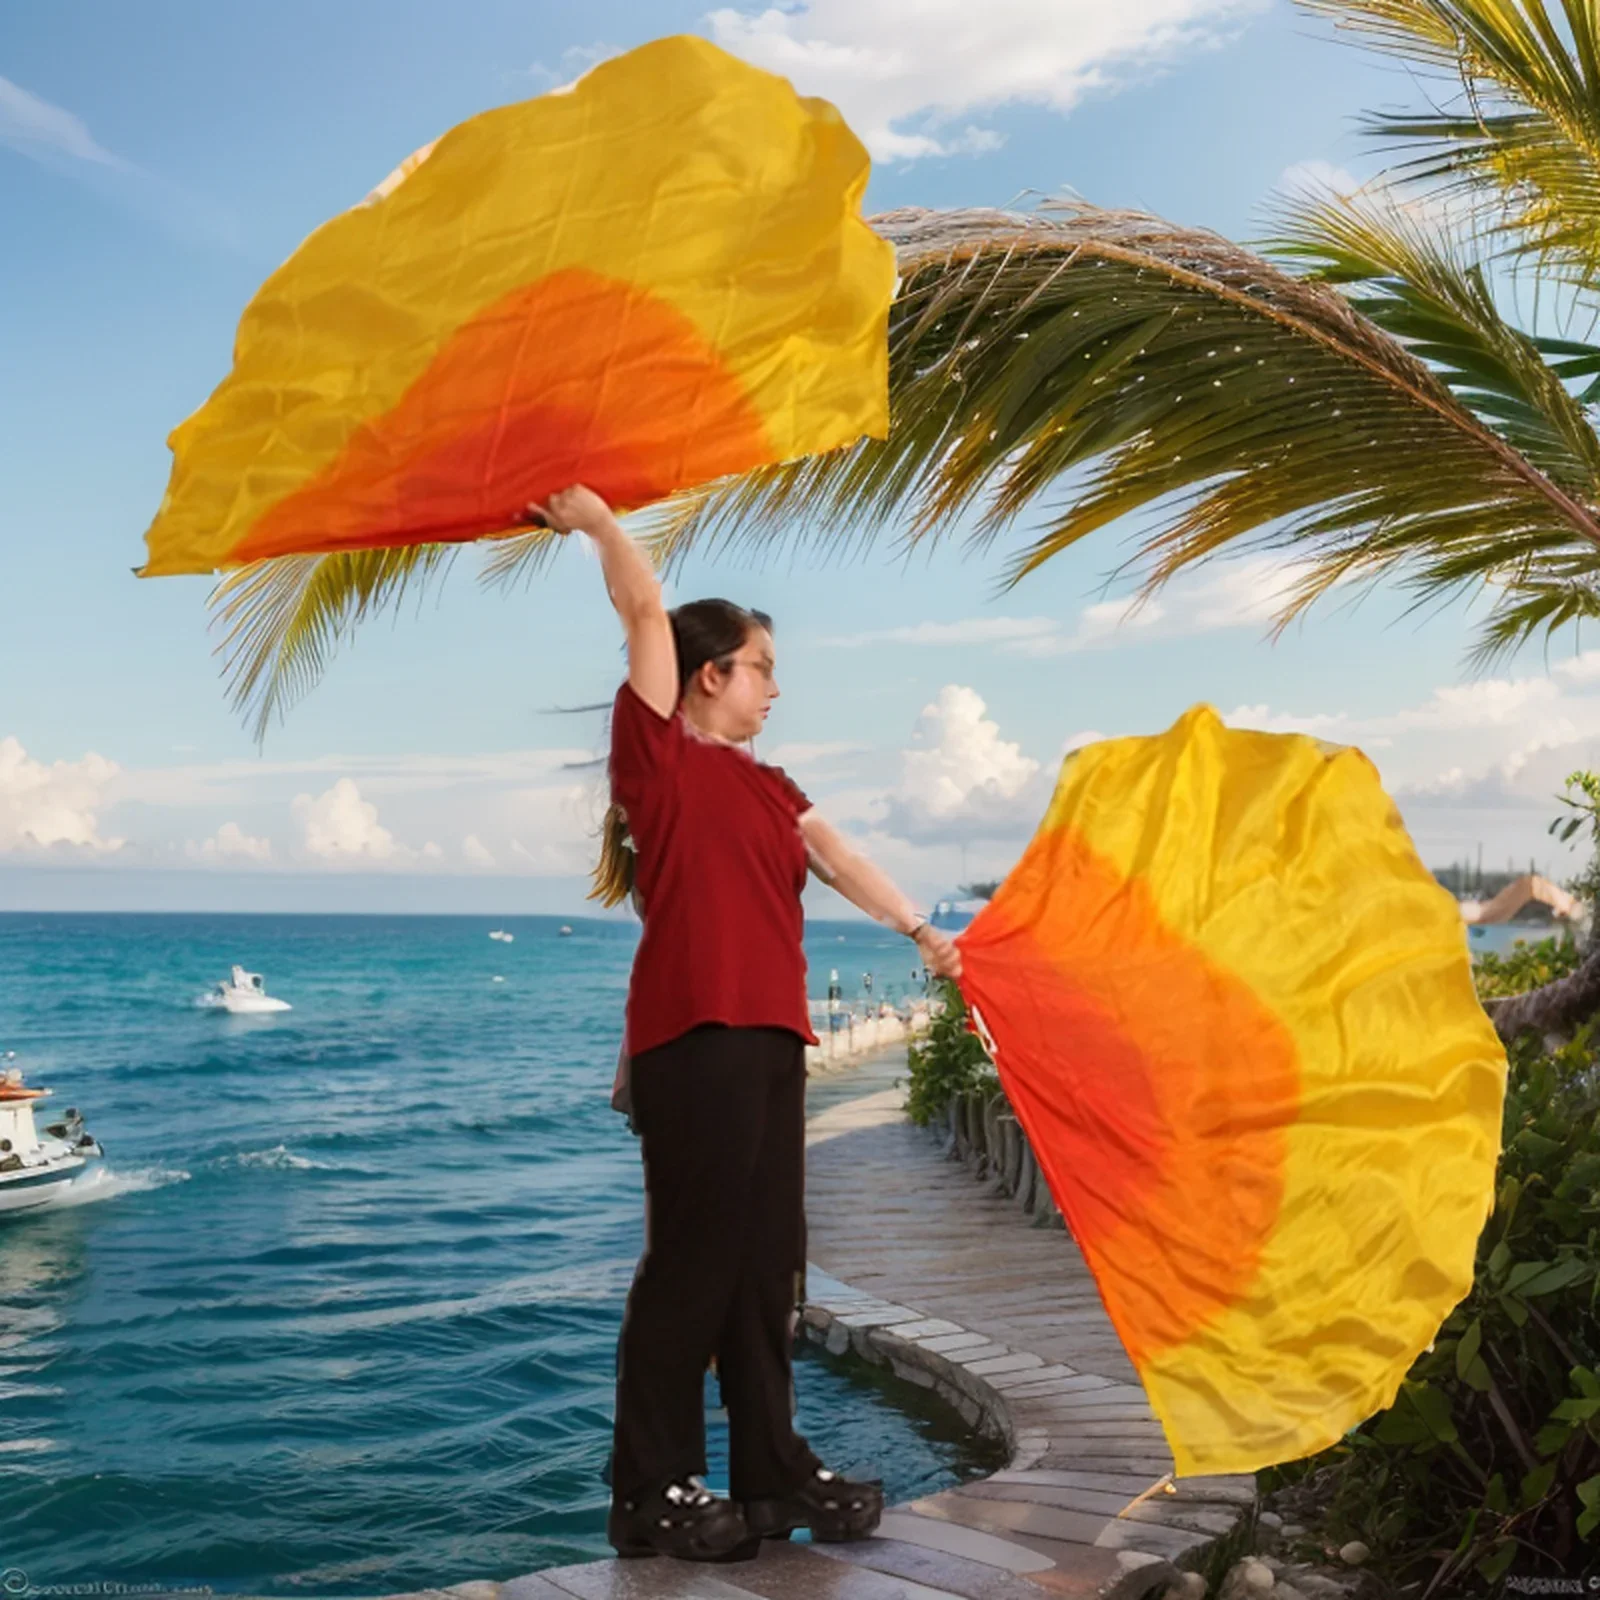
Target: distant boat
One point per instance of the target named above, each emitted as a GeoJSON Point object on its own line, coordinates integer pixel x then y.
{"type": "Point", "coordinates": [503, 936]}
{"type": "Point", "coordinates": [245, 994]}
{"type": "Point", "coordinates": [37, 1170]}
{"type": "Point", "coordinates": [565, 931]}
{"type": "Point", "coordinates": [950, 916]}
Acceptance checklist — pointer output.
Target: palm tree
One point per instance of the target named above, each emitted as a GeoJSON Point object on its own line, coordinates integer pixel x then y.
{"type": "Point", "coordinates": [1354, 396]}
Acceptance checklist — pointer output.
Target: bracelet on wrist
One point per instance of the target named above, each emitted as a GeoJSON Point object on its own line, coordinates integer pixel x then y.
{"type": "Point", "coordinates": [917, 927]}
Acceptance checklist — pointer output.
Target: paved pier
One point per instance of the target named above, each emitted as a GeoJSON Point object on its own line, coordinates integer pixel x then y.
{"type": "Point", "coordinates": [915, 1264]}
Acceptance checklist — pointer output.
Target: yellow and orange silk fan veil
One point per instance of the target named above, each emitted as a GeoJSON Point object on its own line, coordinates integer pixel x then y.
{"type": "Point", "coordinates": [1234, 1014]}
{"type": "Point", "coordinates": [644, 282]}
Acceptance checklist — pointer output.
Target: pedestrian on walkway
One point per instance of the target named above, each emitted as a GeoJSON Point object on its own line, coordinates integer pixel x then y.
{"type": "Point", "coordinates": [715, 846]}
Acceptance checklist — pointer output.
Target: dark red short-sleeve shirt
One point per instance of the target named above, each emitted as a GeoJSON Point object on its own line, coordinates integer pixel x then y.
{"type": "Point", "coordinates": [720, 866]}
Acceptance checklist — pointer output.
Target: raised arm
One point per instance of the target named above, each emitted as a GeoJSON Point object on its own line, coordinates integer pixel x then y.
{"type": "Point", "coordinates": [634, 589]}
{"type": "Point", "coordinates": [868, 886]}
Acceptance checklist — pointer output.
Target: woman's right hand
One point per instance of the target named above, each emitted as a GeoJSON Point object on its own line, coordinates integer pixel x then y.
{"type": "Point", "coordinates": [577, 507]}
{"type": "Point", "coordinates": [940, 953]}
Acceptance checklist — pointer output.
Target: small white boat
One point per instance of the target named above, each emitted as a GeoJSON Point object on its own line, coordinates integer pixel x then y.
{"type": "Point", "coordinates": [503, 936]}
{"type": "Point", "coordinates": [37, 1169]}
{"type": "Point", "coordinates": [245, 994]}
{"type": "Point", "coordinates": [566, 932]}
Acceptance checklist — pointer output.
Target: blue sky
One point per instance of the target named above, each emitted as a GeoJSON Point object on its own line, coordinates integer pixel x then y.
{"type": "Point", "coordinates": [157, 162]}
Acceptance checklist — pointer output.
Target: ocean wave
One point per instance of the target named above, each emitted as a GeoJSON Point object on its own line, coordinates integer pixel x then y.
{"type": "Point", "coordinates": [107, 1183]}
{"type": "Point", "coordinates": [209, 1063]}
{"type": "Point", "coordinates": [279, 1158]}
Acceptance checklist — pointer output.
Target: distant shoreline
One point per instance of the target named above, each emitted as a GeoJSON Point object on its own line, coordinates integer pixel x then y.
{"type": "Point", "coordinates": [614, 920]}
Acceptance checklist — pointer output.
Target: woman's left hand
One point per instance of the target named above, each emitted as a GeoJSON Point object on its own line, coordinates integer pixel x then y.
{"type": "Point", "coordinates": [569, 509]}
{"type": "Point", "coordinates": [939, 953]}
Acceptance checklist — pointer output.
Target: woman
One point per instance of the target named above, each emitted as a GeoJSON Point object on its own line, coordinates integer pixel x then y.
{"type": "Point", "coordinates": [716, 1029]}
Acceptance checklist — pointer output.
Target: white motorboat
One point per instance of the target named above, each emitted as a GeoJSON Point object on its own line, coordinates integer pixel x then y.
{"type": "Point", "coordinates": [565, 931]}
{"type": "Point", "coordinates": [503, 936]}
{"type": "Point", "coordinates": [245, 994]}
{"type": "Point", "coordinates": [37, 1169]}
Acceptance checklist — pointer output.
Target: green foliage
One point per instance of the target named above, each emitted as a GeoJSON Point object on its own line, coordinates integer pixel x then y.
{"type": "Point", "coordinates": [283, 620]}
{"type": "Point", "coordinates": [1491, 1452]}
{"type": "Point", "coordinates": [1512, 125]}
{"type": "Point", "coordinates": [949, 1059]}
{"type": "Point", "coordinates": [1528, 966]}
{"type": "Point", "coordinates": [1582, 799]}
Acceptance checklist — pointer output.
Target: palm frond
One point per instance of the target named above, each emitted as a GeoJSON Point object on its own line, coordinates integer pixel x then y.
{"type": "Point", "coordinates": [1541, 606]}
{"type": "Point", "coordinates": [518, 557]}
{"type": "Point", "coordinates": [1413, 281]}
{"type": "Point", "coordinates": [283, 619]}
{"type": "Point", "coordinates": [1524, 132]}
{"type": "Point", "coordinates": [1166, 371]}
{"type": "Point", "coordinates": [1572, 359]}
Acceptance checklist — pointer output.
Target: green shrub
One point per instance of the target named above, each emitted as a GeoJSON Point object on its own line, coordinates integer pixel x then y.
{"type": "Point", "coordinates": [1528, 966]}
{"type": "Point", "coordinates": [1582, 799]}
{"type": "Point", "coordinates": [1490, 1454]}
{"type": "Point", "coordinates": [947, 1060]}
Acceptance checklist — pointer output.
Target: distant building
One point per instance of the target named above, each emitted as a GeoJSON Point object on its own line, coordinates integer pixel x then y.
{"type": "Point", "coordinates": [1529, 898]}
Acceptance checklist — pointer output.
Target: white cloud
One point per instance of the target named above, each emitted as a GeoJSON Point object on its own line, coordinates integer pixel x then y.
{"type": "Point", "coordinates": [1099, 623]}
{"type": "Point", "coordinates": [1433, 208]}
{"type": "Point", "coordinates": [816, 760]}
{"type": "Point", "coordinates": [1336, 727]}
{"type": "Point", "coordinates": [965, 782]}
{"type": "Point", "coordinates": [361, 817]}
{"type": "Point", "coordinates": [575, 62]}
{"type": "Point", "coordinates": [230, 843]}
{"type": "Point", "coordinates": [35, 127]}
{"type": "Point", "coordinates": [338, 825]}
{"type": "Point", "coordinates": [563, 821]}
{"type": "Point", "coordinates": [221, 782]}
{"type": "Point", "coordinates": [960, 807]}
{"type": "Point", "coordinates": [61, 141]}
{"type": "Point", "coordinates": [1317, 178]}
{"type": "Point", "coordinates": [548, 859]}
{"type": "Point", "coordinates": [1244, 592]}
{"type": "Point", "coordinates": [968, 630]}
{"type": "Point", "coordinates": [1475, 764]}
{"type": "Point", "coordinates": [1581, 668]}
{"type": "Point", "coordinates": [904, 71]}
{"type": "Point", "coordinates": [49, 807]}
{"type": "Point", "coordinates": [1247, 592]}
{"type": "Point", "coordinates": [1533, 710]}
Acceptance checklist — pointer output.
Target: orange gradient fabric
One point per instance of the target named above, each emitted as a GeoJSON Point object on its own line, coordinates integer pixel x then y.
{"type": "Point", "coordinates": [655, 278]}
{"type": "Point", "coordinates": [1234, 1014]}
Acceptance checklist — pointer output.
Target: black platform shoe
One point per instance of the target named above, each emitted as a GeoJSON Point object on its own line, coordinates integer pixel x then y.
{"type": "Point", "coordinates": [683, 1519]}
{"type": "Point", "coordinates": [835, 1509]}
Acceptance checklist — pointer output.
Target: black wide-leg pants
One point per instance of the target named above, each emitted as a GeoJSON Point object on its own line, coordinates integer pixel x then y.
{"type": "Point", "coordinates": [721, 1118]}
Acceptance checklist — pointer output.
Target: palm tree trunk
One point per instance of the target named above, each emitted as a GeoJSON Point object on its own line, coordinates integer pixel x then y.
{"type": "Point", "coordinates": [1554, 1010]}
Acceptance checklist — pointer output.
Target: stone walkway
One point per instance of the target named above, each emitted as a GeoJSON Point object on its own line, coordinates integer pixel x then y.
{"type": "Point", "coordinates": [916, 1266]}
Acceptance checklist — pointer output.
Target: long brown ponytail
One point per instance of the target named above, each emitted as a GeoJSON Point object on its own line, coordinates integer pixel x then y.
{"type": "Point", "coordinates": [702, 631]}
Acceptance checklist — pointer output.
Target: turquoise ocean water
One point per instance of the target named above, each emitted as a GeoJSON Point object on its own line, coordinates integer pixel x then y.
{"type": "Point", "coordinates": [340, 1316]}
{"type": "Point", "coordinates": [1501, 938]}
